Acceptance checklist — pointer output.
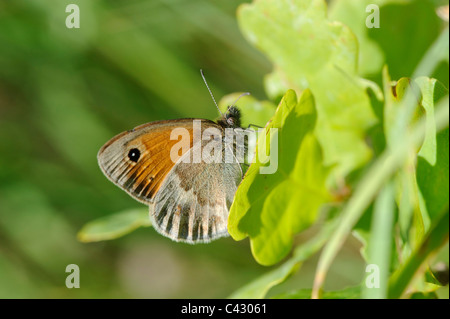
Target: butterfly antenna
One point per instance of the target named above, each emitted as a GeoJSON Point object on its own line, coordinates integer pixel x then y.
{"type": "Point", "coordinates": [207, 86]}
{"type": "Point", "coordinates": [243, 94]}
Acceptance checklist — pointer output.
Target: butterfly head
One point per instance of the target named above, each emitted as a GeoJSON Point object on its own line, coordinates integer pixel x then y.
{"type": "Point", "coordinates": [232, 118]}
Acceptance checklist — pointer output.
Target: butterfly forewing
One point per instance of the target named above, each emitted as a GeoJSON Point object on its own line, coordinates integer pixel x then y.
{"type": "Point", "coordinates": [143, 178]}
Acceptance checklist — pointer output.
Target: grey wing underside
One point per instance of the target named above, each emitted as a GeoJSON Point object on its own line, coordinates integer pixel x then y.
{"type": "Point", "coordinates": [192, 204]}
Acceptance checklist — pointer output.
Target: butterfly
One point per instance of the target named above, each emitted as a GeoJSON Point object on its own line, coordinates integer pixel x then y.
{"type": "Point", "coordinates": [188, 200]}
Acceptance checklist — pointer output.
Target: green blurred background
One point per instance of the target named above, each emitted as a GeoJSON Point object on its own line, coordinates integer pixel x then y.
{"type": "Point", "coordinates": [65, 92]}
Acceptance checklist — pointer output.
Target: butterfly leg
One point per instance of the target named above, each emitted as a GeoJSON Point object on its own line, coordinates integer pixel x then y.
{"type": "Point", "coordinates": [253, 125]}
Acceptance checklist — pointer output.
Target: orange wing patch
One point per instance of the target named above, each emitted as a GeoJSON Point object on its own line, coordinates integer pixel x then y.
{"type": "Point", "coordinates": [142, 179]}
{"type": "Point", "coordinates": [156, 163]}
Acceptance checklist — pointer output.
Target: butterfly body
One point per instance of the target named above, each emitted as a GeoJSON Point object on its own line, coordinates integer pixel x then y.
{"type": "Point", "coordinates": [188, 198]}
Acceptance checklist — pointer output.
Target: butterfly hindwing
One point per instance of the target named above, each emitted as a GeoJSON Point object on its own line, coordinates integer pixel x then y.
{"type": "Point", "coordinates": [193, 203]}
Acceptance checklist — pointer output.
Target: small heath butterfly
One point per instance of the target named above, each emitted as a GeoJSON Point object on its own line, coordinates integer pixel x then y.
{"type": "Point", "coordinates": [188, 183]}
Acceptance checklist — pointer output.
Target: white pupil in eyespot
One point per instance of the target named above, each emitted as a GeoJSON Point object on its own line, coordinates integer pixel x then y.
{"type": "Point", "coordinates": [134, 154]}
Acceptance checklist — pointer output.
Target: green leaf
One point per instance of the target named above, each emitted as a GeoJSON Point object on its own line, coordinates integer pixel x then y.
{"type": "Point", "coordinates": [259, 287]}
{"type": "Point", "coordinates": [272, 208]}
{"type": "Point", "coordinates": [114, 226]}
{"type": "Point", "coordinates": [363, 237]}
{"type": "Point", "coordinates": [394, 94]}
{"type": "Point", "coordinates": [390, 44]}
{"type": "Point", "coordinates": [424, 295]}
{"type": "Point", "coordinates": [407, 30]}
{"type": "Point", "coordinates": [347, 293]}
{"type": "Point", "coordinates": [309, 51]}
{"type": "Point", "coordinates": [432, 91]}
{"type": "Point", "coordinates": [353, 14]}
{"type": "Point", "coordinates": [433, 181]}
{"type": "Point", "coordinates": [253, 112]}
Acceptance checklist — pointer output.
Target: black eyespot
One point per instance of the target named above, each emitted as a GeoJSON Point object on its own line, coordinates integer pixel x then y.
{"type": "Point", "coordinates": [134, 155]}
